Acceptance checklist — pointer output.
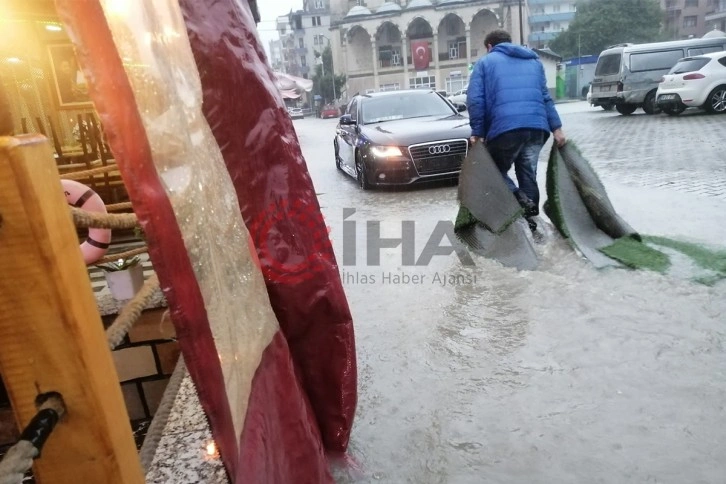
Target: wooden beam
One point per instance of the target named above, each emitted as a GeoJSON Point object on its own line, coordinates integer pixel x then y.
{"type": "Point", "coordinates": [51, 335]}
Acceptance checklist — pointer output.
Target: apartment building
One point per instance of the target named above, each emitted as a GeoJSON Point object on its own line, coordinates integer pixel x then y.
{"type": "Point", "coordinates": [715, 17]}
{"type": "Point", "coordinates": [692, 18]}
{"type": "Point", "coordinates": [547, 18]}
{"type": "Point", "coordinates": [309, 34]}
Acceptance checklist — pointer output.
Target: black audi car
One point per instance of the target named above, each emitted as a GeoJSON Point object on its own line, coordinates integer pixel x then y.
{"type": "Point", "coordinates": [401, 137]}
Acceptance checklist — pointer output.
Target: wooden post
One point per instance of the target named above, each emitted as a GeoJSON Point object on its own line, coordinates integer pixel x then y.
{"type": "Point", "coordinates": [51, 336]}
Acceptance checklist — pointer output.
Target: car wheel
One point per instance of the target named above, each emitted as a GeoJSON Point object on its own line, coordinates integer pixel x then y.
{"type": "Point", "coordinates": [649, 105]}
{"type": "Point", "coordinates": [716, 101]}
{"type": "Point", "coordinates": [360, 173]}
{"type": "Point", "coordinates": [608, 107]}
{"type": "Point", "coordinates": [626, 109]}
{"type": "Point", "coordinates": [337, 156]}
{"type": "Point", "coordinates": [674, 109]}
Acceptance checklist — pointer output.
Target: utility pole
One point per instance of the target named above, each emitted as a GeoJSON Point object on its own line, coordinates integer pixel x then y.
{"type": "Point", "coordinates": [322, 63]}
{"type": "Point", "coordinates": [579, 65]}
{"type": "Point", "coordinates": [521, 25]}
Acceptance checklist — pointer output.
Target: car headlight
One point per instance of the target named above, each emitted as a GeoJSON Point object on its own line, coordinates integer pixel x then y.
{"type": "Point", "coordinates": [386, 151]}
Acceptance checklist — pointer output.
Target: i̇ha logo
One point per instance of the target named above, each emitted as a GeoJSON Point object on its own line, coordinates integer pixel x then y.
{"type": "Point", "coordinates": [292, 242]}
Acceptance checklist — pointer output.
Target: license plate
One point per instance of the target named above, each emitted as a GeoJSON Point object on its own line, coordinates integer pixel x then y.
{"type": "Point", "coordinates": [666, 97]}
{"type": "Point", "coordinates": [604, 88]}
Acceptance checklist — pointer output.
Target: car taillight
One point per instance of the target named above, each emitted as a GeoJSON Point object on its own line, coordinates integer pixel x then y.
{"type": "Point", "coordinates": [620, 87]}
{"type": "Point", "coordinates": [691, 77]}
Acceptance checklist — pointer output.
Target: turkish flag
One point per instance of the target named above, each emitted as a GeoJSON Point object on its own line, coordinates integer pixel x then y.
{"type": "Point", "coordinates": [420, 54]}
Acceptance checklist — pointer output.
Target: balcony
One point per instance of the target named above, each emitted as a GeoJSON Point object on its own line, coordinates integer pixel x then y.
{"type": "Point", "coordinates": [543, 36]}
{"type": "Point", "coordinates": [719, 14]}
{"type": "Point", "coordinates": [551, 17]}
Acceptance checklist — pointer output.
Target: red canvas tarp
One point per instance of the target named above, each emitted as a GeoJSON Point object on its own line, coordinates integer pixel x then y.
{"type": "Point", "coordinates": [279, 205]}
{"type": "Point", "coordinates": [253, 390]}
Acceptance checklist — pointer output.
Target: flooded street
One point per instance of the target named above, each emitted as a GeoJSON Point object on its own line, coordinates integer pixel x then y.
{"type": "Point", "coordinates": [480, 373]}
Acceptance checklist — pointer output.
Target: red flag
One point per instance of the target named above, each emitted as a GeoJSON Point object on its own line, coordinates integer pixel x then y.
{"type": "Point", "coordinates": [420, 54]}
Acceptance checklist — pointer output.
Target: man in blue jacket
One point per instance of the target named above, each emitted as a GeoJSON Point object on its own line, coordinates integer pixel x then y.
{"type": "Point", "coordinates": [511, 110]}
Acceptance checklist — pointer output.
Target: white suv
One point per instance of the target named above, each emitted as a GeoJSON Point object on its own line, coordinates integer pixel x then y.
{"type": "Point", "coordinates": [698, 81]}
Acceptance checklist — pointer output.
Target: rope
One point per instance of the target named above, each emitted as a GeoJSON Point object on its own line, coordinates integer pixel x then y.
{"type": "Point", "coordinates": [84, 220]}
{"type": "Point", "coordinates": [131, 312]}
{"type": "Point", "coordinates": [19, 458]}
{"type": "Point", "coordinates": [118, 206]}
{"type": "Point", "coordinates": [120, 255]}
{"type": "Point", "coordinates": [17, 462]}
{"type": "Point", "coordinates": [161, 417]}
{"type": "Point", "coordinates": [80, 175]}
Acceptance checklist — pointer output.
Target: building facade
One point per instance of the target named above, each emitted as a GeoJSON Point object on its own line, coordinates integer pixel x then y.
{"type": "Point", "coordinates": [309, 35]}
{"type": "Point", "coordinates": [715, 18]}
{"type": "Point", "coordinates": [290, 59]}
{"type": "Point", "coordinates": [547, 19]}
{"type": "Point", "coordinates": [387, 45]}
{"type": "Point", "coordinates": [693, 18]}
{"type": "Point", "coordinates": [275, 49]}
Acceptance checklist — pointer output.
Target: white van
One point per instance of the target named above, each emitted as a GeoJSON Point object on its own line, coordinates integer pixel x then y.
{"type": "Point", "coordinates": [627, 75]}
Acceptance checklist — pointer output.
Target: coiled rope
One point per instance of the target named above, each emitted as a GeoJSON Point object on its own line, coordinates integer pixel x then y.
{"type": "Point", "coordinates": [19, 458]}
{"type": "Point", "coordinates": [80, 175]}
{"type": "Point", "coordinates": [84, 220]}
{"type": "Point", "coordinates": [131, 312]}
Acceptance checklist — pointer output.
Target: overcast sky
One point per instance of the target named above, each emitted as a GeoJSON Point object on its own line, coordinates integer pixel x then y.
{"type": "Point", "coordinates": [269, 11]}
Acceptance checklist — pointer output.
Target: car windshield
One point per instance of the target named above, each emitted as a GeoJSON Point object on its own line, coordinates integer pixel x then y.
{"type": "Point", "coordinates": [689, 65]}
{"type": "Point", "coordinates": [403, 105]}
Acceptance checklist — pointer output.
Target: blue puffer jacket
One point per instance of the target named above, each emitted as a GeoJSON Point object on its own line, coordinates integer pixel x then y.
{"type": "Point", "coordinates": [508, 91]}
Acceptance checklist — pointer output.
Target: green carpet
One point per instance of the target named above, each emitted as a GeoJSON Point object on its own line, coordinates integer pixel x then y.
{"type": "Point", "coordinates": [637, 255]}
{"type": "Point", "coordinates": [708, 266]}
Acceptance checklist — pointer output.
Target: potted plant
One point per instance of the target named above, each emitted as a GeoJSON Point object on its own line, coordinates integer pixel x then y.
{"type": "Point", "coordinates": [124, 277]}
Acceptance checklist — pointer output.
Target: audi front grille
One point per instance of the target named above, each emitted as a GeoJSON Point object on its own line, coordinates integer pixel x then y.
{"type": "Point", "coordinates": [439, 156]}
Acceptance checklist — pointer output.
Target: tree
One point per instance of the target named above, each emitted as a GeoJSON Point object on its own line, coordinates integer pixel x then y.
{"type": "Point", "coordinates": [601, 23]}
{"type": "Point", "coordinates": [323, 84]}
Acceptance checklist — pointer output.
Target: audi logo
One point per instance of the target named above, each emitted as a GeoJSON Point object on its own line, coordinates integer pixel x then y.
{"type": "Point", "coordinates": [439, 149]}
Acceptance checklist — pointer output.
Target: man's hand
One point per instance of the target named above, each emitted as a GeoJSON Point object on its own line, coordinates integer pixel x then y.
{"type": "Point", "coordinates": [560, 138]}
{"type": "Point", "coordinates": [474, 140]}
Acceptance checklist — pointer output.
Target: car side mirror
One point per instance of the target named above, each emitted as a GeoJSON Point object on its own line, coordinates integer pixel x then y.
{"type": "Point", "coordinates": [346, 120]}
{"type": "Point", "coordinates": [461, 108]}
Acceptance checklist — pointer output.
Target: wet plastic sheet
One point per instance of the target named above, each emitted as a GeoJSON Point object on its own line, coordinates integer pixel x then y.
{"type": "Point", "coordinates": [279, 205]}
{"type": "Point", "coordinates": [593, 194]}
{"type": "Point", "coordinates": [489, 220]}
{"type": "Point", "coordinates": [150, 105]}
{"type": "Point", "coordinates": [567, 209]}
{"type": "Point", "coordinates": [483, 191]}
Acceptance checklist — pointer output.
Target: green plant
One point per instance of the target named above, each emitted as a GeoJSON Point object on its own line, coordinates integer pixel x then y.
{"type": "Point", "coordinates": [121, 264]}
{"type": "Point", "coordinates": [139, 233]}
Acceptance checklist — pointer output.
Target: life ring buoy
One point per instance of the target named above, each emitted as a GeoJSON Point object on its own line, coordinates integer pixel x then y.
{"type": "Point", "coordinates": [79, 195]}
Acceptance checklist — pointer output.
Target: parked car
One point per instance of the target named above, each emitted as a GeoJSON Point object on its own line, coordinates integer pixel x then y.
{"type": "Point", "coordinates": [296, 113]}
{"type": "Point", "coordinates": [695, 82]}
{"type": "Point", "coordinates": [627, 75]}
{"type": "Point", "coordinates": [458, 98]}
{"type": "Point", "coordinates": [401, 137]}
{"type": "Point", "coordinates": [329, 111]}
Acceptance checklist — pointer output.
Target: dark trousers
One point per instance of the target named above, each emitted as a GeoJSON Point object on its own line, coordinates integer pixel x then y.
{"type": "Point", "coordinates": [520, 148]}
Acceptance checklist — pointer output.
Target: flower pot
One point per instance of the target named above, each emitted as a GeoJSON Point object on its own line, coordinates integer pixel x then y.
{"type": "Point", "coordinates": [125, 284]}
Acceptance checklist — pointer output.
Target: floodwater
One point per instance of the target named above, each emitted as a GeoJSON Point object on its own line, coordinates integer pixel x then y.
{"type": "Point", "coordinates": [565, 374]}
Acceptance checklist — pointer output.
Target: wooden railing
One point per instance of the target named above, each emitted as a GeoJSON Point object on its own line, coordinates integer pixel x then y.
{"type": "Point", "coordinates": [51, 335]}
